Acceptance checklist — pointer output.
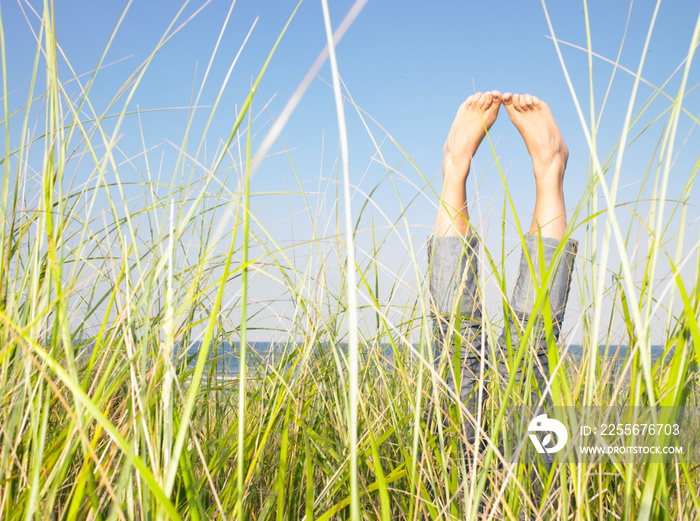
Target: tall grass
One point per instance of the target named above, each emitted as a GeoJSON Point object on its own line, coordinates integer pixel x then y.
{"type": "Point", "coordinates": [106, 416]}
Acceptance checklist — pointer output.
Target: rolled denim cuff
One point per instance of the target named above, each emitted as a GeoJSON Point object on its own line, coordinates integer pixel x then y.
{"type": "Point", "coordinates": [454, 274]}
{"type": "Point", "coordinates": [559, 283]}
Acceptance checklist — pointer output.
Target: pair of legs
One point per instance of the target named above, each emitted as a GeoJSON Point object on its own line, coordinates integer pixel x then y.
{"type": "Point", "coordinates": [453, 253]}
{"type": "Point", "coordinates": [544, 142]}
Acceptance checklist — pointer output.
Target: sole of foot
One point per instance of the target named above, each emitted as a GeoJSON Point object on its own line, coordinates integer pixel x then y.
{"type": "Point", "coordinates": [535, 122]}
{"type": "Point", "coordinates": [474, 118]}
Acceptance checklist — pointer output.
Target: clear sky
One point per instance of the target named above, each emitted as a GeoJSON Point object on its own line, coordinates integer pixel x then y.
{"type": "Point", "coordinates": [408, 64]}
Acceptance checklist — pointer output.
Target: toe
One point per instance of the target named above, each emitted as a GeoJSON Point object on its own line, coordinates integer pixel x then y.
{"type": "Point", "coordinates": [517, 102]}
{"type": "Point", "coordinates": [528, 101]}
{"type": "Point", "coordinates": [536, 101]}
{"type": "Point", "coordinates": [487, 100]}
{"type": "Point", "coordinates": [497, 97]}
{"type": "Point", "coordinates": [507, 98]}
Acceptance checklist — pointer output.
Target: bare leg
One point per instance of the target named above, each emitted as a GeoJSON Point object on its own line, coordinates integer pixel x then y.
{"type": "Point", "coordinates": [549, 154]}
{"type": "Point", "coordinates": [474, 117]}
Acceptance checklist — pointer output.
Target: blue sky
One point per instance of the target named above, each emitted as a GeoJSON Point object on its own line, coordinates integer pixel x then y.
{"type": "Point", "coordinates": [408, 64]}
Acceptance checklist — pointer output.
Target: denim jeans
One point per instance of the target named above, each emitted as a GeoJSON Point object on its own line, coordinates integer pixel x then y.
{"type": "Point", "coordinates": [457, 318]}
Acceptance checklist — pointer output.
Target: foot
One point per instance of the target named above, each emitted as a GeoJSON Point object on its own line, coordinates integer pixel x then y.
{"type": "Point", "coordinates": [532, 117]}
{"type": "Point", "coordinates": [474, 118]}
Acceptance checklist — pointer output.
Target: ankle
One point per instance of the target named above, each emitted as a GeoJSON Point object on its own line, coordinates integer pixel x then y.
{"type": "Point", "coordinates": [549, 174]}
{"type": "Point", "coordinates": [455, 170]}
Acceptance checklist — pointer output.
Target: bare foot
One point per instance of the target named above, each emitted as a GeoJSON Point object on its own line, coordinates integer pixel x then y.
{"type": "Point", "coordinates": [532, 117]}
{"type": "Point", "coordinates": [549, 154]}
{"type": "Point", "coordinates": [474, 117]}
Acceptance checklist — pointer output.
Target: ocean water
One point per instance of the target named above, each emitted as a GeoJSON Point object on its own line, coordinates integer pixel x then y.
{"type": "Point", "coordinates": [225, 358]}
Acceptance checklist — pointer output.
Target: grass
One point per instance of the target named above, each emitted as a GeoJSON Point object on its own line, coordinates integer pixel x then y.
{"type": "Point", "coordinates": [331, 428]}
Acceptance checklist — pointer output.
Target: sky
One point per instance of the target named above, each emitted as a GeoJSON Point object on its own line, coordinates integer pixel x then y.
{"type": "Point", "coordinates": [406, 64]}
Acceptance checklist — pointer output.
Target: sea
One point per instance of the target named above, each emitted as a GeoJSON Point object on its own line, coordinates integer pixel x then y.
{"type": "Point", "coordinates": [225, 359]}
